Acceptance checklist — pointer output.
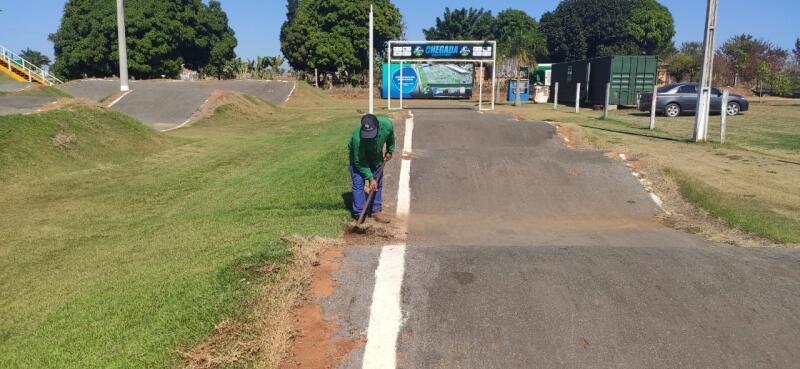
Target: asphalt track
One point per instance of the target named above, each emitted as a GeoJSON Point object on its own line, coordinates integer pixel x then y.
{"type": "Point", "coordinates": [160, 104]}
{"type": "Point", "coordinates": [169, 104]}
{"type": "Point", "coordinates": [523, 253]}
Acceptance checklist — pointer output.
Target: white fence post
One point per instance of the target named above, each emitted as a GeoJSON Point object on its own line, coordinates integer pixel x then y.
{"type": "Point", "coordinates": [555, 98]}
{"type": "Point", "coordinates": [608, 100]}
{"type": "Point", "coordinates": [578, 97]}
{"type": "Point", "coordinates": [723, 117]}
{"type": "Point", "coordinates": [653, 108]}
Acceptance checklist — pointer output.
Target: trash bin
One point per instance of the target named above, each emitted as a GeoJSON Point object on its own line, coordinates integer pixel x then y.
{"type": "Point", "coordinates": [541, 94]}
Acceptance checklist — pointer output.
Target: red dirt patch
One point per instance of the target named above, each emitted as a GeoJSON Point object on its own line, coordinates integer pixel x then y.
{"type": "Point", "coordinates": [315, 344]}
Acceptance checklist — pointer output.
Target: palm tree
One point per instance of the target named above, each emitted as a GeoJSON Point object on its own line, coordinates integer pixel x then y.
{"type": "Point", "coordinates": [275, 64]}
{"type": "Point", "coordinates": [34, 57]}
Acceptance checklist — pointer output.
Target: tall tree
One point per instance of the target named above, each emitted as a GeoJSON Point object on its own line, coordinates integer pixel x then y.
{"type": "Point", "coordinates": [687, 63]}
{"type": "Point", "coordinates": [580, 29]}
{"type": "Point", "coordinates": [35, 57]}
{"type": "Point", "coordinates": [220, 37]}
{"type": "Point", "coordinates": [796, 51]}
{"type": "Point", "coordinates": [519, 39]}
{"type": "Point", "coordinates": [162, 36]}
{"type": "Point", "coordinates": [462, 24]}
{"type": "Point", "coordinates": [333, 35]}
{"type": "Point", "coordinates": [741, 55]}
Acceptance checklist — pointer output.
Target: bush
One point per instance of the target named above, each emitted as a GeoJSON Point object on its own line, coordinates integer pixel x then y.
{"type": "Point", "coordinates": [781, 85]}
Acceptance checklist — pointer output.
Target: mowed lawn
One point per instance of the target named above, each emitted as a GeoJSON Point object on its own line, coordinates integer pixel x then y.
{"type": "Point", "coordinates": [121, 247]}
{"type": "Point", "coordinates": [752, 181]}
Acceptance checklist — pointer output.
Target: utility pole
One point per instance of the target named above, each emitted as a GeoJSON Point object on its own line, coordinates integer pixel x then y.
{"type": "Point", "coordinates": [707, 76]}
{"type": "Point", "coordinates": [372, 62]}
{"type": "Point", "coordinates": [123, 47]}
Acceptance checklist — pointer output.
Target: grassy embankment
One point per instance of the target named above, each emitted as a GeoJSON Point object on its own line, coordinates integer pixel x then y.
{"type": "Point", "coordinates": [751, 182]}
{"type": "Point", "coordinates": [121, 246]}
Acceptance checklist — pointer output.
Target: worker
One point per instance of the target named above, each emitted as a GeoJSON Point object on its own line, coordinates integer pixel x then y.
{"type": "Point", "coordinates": [371, 145]}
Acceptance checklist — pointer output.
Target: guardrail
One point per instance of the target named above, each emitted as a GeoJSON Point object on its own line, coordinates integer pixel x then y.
{"type": "Point", "coordinates": [29, 68]}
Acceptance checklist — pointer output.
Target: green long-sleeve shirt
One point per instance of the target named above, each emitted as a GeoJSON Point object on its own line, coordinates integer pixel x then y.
{"type": "Point", "coordinates": [365, 154]}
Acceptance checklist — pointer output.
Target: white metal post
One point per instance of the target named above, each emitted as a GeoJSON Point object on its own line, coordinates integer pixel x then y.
{"type": "Point", "coordinates": [371, 61]}
{"type": "Point", "coordinates": [389, 78]}
{"type": "Point", "coordinates": [316, 78]}
{"type": "Point", "coordinates": [704, 88]}
{"type": "Point", "coordinates": [555, 98]}
{"type": "Point", "coordinates": [653, 103]}
{"type": "Point", "coordinates": [480, 89]}
{"type": "Point", "coordinates": [123, 47]}
{"type": "Point", "coordinates": [402, 82]}
{"type": "Point", "coordinates": [588, 78]}
{"type": "Point", "coordinates": [578, 97]}
{"type": "Point", "coordinates": [723, 117]}
{"type": "Point", "coordinates": [608, 100]}
{"type": "Point", "coordinates": [494, 73]}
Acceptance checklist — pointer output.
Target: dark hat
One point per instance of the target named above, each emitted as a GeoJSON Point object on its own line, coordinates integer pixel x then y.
{"type": "Point", "coordinates": [369, 126]}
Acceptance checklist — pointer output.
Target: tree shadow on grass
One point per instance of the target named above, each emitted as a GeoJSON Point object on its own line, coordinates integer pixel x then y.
{"type": "Point", "coordinates": [638, 134]}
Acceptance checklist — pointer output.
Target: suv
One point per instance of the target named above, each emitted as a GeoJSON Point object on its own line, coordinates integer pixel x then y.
{"type": "Point", "coordinates": [679, 98]}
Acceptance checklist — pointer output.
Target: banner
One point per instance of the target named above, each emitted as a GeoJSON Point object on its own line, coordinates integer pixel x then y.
{"type": "Point", "coordinates": [433, 50]}
{"type": "Point", "coordinates": [426, 81]}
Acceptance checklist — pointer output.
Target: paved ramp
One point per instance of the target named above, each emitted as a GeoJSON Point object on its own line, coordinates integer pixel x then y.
{"type": "Point", "coordinates": [165, 105]}
{"type": "Point", "coordinates": [16, 104]}
{"type": "Point", "coordinates": [525, 254]}
{"type": "Point", "coordinates": [12, 86]}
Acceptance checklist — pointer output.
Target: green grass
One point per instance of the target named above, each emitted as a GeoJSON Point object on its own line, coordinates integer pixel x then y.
{"type": "Point", "coordinates": [739, 211]}
{"type": "Point", "coordinates": [127, 245]}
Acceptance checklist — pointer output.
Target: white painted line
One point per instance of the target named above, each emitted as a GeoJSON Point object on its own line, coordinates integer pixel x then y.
{"type": "Point", "coordinates": [291, 92]}
{"type": "Point", "coordinates": [190, 118]}
{"type": "Point", "coordinates": [385, 317]}
{"type": "Point", "coordinates": [119, 98]}
{"type": "Point", "coordinates": [403, 188]}
{"type": "Point", "coordinates": [658, 201]}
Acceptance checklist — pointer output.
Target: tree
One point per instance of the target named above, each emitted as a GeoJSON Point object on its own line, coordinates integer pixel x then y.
{"type": "Point", "coordinates": [35, 57]}
{"type": "Point", "coordinates": [220, 37]}
{"type": "Point", "coordinates": [519, 39]}
{"type": "Point", "coordinates": [650, 26]}
{"type": "Point", "coordinates": [162, 36]}
{"type": "Point", "coordinates": [764, 74]}
{"type": "Point", "coordinates": [796, 51]}
{"type": "Point", "coordinates": [580, 29]}
{"type": "Point", "coordinates": [742, 54]}
{"type": "Point", "coordinates": [687, 63]}
{"type": "Point", "coordinates": [276, 64]}
{"type": "Point", "coordinates": [781, 84]}
{"type": "Point", "coordinates": [462, 24]}
{"type": "Point", "coordinates": [333, 35]}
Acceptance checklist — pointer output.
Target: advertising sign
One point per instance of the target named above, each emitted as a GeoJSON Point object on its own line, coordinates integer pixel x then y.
{"type": "Point", "coordinates": [442, 51]}
{"type": "Point", "coordinates": [426, 81]}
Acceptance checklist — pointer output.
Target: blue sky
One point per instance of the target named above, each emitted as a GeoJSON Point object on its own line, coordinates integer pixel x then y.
{"type": "Point", "coordinates": [257, 22]}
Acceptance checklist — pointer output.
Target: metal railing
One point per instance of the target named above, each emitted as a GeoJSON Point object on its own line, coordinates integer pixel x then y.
{"type": "Point", "coordinates": [29, 68]}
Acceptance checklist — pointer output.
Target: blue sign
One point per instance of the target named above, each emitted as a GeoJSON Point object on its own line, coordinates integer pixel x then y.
{"type": "Point", "coordinates": [409, 81]}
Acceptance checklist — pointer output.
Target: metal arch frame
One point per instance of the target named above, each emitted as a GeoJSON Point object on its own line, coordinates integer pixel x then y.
{"type": "Point", "coordinates": [493, 61]}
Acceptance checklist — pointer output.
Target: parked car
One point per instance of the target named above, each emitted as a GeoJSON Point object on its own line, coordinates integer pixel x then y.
{"type": "Point", "coordinates": [681, 98]}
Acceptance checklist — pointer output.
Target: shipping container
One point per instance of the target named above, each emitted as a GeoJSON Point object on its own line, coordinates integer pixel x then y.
{"type": "Point", "coordinates": [629, 77]}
